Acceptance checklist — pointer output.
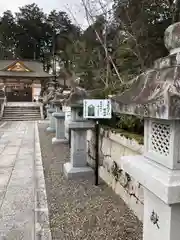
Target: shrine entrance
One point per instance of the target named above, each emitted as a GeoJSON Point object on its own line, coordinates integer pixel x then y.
{"type": "Point", "coordinates": [22, 80]}
{"type": "Point", "coordinates": [22, 93]}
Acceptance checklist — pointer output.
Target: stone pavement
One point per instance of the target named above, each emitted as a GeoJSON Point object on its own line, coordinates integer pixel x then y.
{"type": "Point", "coordinates": [23, 203]}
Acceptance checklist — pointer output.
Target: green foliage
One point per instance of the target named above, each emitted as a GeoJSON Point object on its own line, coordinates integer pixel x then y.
{"type": "Point", "coordinates": [143, 23]}
{"type": "Point", "coordinates": [133, 39]}
{"type": "Point", "coordinates": [125, 123]}
{"type": "Point", "coordinates": [131, 123]}
{"type": "Point", "coordinates": [34, 34]}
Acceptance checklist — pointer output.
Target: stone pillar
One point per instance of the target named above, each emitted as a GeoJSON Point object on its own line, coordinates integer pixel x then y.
{"type": "Point", "coordinates": [58, 109]}
{"type": "Point", "coordinates": [78, 167]}
{"type": "Point", "coordinates": [67, 121]}
{"type": "Point", "coordinates": [159, 172]}
{"type": "Point", "coordinates": [60, 128]}
{"type": "Point", "coordinates": [47, 113]}
{"type": "Point", "coordinates": [51, 127]}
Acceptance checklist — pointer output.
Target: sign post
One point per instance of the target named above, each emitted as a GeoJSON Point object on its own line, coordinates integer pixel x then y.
{"type": "Point", "coordinates": [97, 131]}
{"type": "Point", "coordinates": [97, 109]}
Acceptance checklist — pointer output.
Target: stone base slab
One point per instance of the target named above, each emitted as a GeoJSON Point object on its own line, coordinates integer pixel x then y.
{"type": "Point", "coordinates": [161, 181]}
{"type": "Point", "coordinates": [50, 129]}
{"type": "Point", "coordinates": [56, 140]}
{"type": "Point", "coordinates": [73, 172]}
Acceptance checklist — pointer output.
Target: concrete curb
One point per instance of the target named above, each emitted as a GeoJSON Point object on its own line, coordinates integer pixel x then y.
{"type": "Point", "coordinates": [42, 226]}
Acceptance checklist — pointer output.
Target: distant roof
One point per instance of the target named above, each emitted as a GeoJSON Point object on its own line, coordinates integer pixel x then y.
{"type": "Point", "coordinates": [32, 69]}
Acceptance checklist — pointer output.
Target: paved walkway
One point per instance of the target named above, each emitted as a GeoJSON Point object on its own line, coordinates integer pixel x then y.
{"type": "Point", "coordinates": [23, 204]}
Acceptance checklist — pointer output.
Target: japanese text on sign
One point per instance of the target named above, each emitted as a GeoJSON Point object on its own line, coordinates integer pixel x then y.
{"type": "Point", "coordinates": [97, 108]}
{"type": "Point", "coordinates": [66, 109]}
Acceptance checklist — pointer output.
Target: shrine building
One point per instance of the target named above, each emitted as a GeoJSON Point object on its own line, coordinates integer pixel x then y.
{"type": "Point", "coordinates": [22, 80]}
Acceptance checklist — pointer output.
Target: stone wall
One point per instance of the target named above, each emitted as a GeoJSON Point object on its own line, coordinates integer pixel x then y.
{"type": "Point", "coordinates": [112, 147]}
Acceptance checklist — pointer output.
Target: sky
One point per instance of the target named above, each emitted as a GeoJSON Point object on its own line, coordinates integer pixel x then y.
{"type": "Point", "coordinates": [47, 6]}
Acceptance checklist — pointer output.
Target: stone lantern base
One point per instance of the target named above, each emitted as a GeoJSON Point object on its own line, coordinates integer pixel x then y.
{"type": "Point", "coordinates": [161, 196]}
{"type": "Point", "coordinates": [51, 127]}
{"type": "Point", "coordinates": [60, 129]}
{"type": "Point", "coordinates": [77, 167]}
{"type": "Point", "coordinates": [56, 140]}
{"type": "Point", "coordinates": [77, 172]}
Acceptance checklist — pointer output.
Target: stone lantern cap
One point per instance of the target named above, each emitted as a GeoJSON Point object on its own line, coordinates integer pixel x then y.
{"type": "Point", "coordinates": [51, 85]}
{"type": "Point", "coordinates": [156, 92]}
{"type": "Point", "coordinates": [58, 97]}
{"type": "Point", "coordinates": [48, 96]}
{"type": "Point", "coordinates": [59, 115]}
{"type": "Point", "coordinates": [76, 97]}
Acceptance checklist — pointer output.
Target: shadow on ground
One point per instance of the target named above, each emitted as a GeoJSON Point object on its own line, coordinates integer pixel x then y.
{"type": "Point", "coordinates": [78, 209]}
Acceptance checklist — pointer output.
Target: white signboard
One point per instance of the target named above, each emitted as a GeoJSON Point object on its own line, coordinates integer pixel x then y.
{"type": "Point", "coordinates": [97, 108]}
{"type": "Point", "coordinates": [66, 109]}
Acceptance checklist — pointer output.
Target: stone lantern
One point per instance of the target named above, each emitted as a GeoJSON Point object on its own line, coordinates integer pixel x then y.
{"type": "Point", "coordinates": [59, 117]}
{"type": "Point", "coordinates": [67, 111]}
{"type": "Point", "coordinates": [155, 95]}
{"type": "Point", "coordinates": [51, 127]}
{"type": "Point", "coordinates": [78, 167]}
{"type": "Point", "coordinates": [49, 105]}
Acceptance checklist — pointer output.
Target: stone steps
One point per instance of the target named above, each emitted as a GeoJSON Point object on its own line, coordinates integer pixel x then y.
{"type": "Point", "coordinates": [23, 119]}
{"type": "Point", "coordinates": [20, 113]}
{"type": "Point", "coordinates": [24, 110]}
{"type": "Point", "coordinates": [20, 110]}
{"type": "Point", "coordinates": [16, 113]}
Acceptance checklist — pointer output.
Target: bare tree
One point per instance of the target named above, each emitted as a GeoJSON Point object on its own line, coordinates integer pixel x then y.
{"type": "Point", "coordinates": [175, 6]}
{"type": "Point", "coordinates": [92, 10]}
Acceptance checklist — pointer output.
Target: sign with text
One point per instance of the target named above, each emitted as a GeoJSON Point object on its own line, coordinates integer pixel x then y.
{"type": "Point", "coordinates": [97, 108]}
{"type": "Point", "coordinates": [66, 109]}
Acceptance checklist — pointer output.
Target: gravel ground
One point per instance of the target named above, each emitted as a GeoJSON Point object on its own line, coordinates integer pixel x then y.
{"type": "Point", "coordinates": [78, 209]}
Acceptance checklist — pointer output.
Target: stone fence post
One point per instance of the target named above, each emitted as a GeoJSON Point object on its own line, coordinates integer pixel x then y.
{"type": "Point", "coordinates": [67, 121]}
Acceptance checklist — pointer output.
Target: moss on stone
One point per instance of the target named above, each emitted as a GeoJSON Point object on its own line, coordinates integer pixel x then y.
{"type": "Point", "coordinates": [129, 135]}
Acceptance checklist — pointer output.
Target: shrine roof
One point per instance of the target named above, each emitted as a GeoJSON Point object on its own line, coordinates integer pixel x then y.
{"type": "Point", "coordinates": [22, 68]}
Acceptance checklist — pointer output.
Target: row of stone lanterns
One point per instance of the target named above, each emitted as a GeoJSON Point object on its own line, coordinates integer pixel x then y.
{"type": "Point", "coordinates": [155, 95]}
{"type": "Point", "coordinates": [77, 167]}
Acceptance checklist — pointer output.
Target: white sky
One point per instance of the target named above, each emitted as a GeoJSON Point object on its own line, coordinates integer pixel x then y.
{"type": "Point", "coordinates": [48, 5]}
